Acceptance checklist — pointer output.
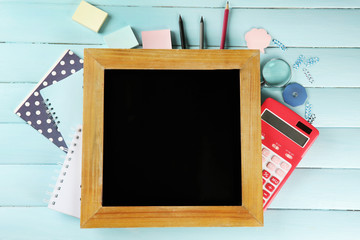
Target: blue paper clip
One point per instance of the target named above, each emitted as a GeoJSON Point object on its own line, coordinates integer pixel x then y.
{"type": "Point", "coordinates": [309, 116]}
{"type": "Point", "coordinates": [311, 61]}
{"type": "Point", "coordinates": [279, 44]}
{"type": "Point", "coordinates": [307, 111]}
{"type": "Point", "coordinates": [299, 61]}
{"type": "Point", "coordinates": [312, 118]}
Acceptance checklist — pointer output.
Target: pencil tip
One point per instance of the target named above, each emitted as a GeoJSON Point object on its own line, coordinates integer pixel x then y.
{"type": "Point", "coordinates": [227, 4]}
{"type": "Point", "coordinates": [201, 19]}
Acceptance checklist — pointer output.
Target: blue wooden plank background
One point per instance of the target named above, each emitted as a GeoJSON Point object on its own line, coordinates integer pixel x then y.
{"type": "Point", "coordinates": [320, 200]}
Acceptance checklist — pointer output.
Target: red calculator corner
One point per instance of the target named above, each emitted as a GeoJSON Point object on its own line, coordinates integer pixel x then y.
{"type": "Point", "coordinates": [286, 137]}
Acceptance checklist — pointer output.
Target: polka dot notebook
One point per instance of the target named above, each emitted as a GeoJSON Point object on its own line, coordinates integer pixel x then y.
{"type": "Point", "coordinates": [33, 109]}
{"type": "Point", "coordinates": [65, 102]}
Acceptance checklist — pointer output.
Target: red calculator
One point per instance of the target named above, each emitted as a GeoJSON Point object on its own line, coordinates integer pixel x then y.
{"type": "Point", "coordinates": [286, 137]}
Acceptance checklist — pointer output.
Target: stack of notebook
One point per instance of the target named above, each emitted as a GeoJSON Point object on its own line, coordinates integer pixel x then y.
{"type": "Point", "coordinates": [54, 109]}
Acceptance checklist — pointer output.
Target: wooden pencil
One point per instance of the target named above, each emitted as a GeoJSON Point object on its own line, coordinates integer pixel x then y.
{"type": "Point", "coordinates": [201, 45]}
{"type": "Point", "coordinates": [223, 35]}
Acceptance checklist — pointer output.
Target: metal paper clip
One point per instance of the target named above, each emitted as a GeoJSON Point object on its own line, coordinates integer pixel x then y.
{"type": "Point", "coordinates": [308, 75]}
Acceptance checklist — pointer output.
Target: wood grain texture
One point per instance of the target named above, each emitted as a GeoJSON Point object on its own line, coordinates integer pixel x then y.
{"type": "Point", "coordinates": [250, 132]}
{"type": "Point", "coordinates": [333, 107]}
{"type": "Point", "coordinates": [59, 28]}
{"type": "Point", "coordinates": [212, 3]}
{"type": "Point", "coordinates": [35, 148]}
{"type": "Point", "coordinates": [337, 67]}
{"type": "Point", "coordinates": [26, 185]}
{"type": "Point", "coordinates": [340, 143]}
{"type": "Point", "coordinates": [93, 214]}
{"type": "Point", "coordinates": [91, 181]}
{"type": "Point", "coordinates": [340, 193]}
{"type": "Point", "coordinates": [15, 59]}
{"type": "Point", "coordinates": [300, 224]}
{"type": "Point", "coordinates": [334, 148]}
{"type": "Point", "coordinates": [33, 34]}
{"type": "Point", "coordinates": [327, 73]}
{"type": "Point", "coordinates": [175, 216]}
{"type": "Point", "coordinates": [172, 59]}
{"type": "Point", "coordinates": [322, 106]}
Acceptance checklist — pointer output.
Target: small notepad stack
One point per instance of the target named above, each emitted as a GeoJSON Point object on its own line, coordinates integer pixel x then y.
{"type": "Point", "coordinates": [159, 39]}
{"type": "Point", "coordinates": [122, 38]}
{"type": "Point", "coordinates": [89, 16]}
{"type": "Point", "coordinates": [66, 195]}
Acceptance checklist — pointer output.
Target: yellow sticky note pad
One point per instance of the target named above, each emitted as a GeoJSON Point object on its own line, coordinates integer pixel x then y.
{"type": "Point", "coordinates": [89, 16]}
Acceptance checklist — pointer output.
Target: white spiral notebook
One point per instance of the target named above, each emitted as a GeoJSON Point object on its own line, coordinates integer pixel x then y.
{"type": "Point", "coordinates": [66, 195]}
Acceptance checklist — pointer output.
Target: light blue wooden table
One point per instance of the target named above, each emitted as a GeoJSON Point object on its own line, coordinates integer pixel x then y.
{"type": "Point", "coordinates": [321, 200]}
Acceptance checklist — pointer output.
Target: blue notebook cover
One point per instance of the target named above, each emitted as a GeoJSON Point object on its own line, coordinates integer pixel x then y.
{"type": "Point", "coordinates": [65, 103]}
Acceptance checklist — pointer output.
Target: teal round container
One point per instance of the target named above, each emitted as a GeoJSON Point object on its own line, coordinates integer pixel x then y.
{"type": "Point", "coordinates": [276, 72]}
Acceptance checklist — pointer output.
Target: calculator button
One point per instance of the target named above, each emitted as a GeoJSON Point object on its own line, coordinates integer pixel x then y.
{"type": "Point", "coordinates": [276, 159]}
{"type": "Point", "coordinates": [263, 159]}
{"type": "Point", "coordinates": [266, 174]}
{"type": "Point", "coordinates": [266, 194]}
{"type": "Point", "coordinates": [269, 187]}
{"type": "Point", "coordinates": [285, 166]}
{"type": "Point", "coordinates": [274, 180]}
{"type": "Point", "coordinates": [264, 181]}
{"type": "Point", "coordinates": [288, 156]}
{"type": "Point", "coordinates": [275, 146]}
{"type": "Point", "coordinates": [280, 172]}
{"type": "Point", "coordinates": [271, 166]}
{"type": "Point", "coordinates": [265, 152]}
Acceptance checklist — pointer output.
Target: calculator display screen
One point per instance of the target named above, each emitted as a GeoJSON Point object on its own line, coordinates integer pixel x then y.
{"type": "Point", "coordinates": [284, 128]}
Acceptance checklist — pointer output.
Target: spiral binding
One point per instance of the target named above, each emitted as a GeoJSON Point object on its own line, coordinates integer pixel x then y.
{"type": "Point", "coordinates": [51, 113]}
{"type": "Point", "coordinates": [52, 186]}
{"type": "Point", "coordinates": [63, 171]}
{"type": "Point", "coordinates": [279, 44]}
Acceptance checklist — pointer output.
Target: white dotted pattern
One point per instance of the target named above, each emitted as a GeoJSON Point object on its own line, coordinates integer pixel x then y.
{"type": "Point", "coordinates": [34, 110]}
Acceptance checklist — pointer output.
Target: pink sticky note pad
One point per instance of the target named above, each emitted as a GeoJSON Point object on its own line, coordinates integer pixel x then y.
{"type": "Point", "coordinates": [159, 39]}
{"type": "Point", "coordinates": [257, 39]}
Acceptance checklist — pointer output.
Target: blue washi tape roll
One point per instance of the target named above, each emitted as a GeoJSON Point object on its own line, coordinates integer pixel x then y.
{"type": "Point", "coordinates": [294, 94]}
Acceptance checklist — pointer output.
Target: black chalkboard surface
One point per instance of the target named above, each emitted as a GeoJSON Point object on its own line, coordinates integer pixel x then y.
{"type": "Point", "coordinates": [171, 138]}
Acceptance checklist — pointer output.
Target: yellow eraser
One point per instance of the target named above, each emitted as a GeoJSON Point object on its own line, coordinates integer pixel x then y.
{"type": "Point", "coordinates": [89, 16]}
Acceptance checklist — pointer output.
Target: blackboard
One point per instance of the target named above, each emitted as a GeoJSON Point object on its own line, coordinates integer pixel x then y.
{"type": "Point", "coordinates": [172, 138]}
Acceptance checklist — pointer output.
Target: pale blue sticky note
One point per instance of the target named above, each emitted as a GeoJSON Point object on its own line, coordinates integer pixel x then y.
{"type": "Point", "coordinates": [123, 38]}
{"type": "Point", "coordinates": [65, 102]}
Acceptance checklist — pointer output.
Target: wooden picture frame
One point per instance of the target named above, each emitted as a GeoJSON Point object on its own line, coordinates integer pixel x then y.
{"type": "Point", "coordinates": [94, 215]}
